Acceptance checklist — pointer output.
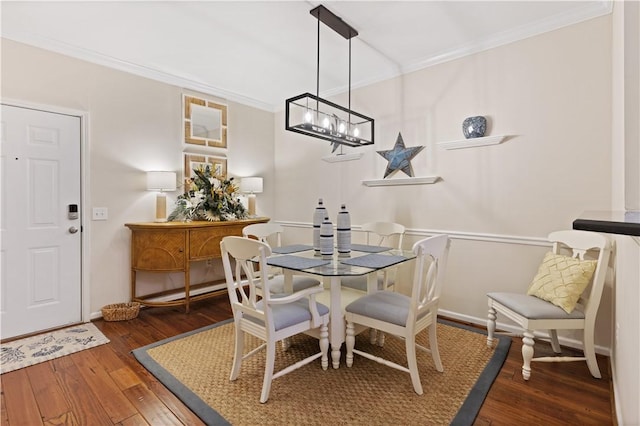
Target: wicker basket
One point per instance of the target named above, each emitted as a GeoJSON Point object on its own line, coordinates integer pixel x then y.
{"type": "Point", "coordinates": [121, 311]}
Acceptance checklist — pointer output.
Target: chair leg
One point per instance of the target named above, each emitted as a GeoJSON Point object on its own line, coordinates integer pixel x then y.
{"type": "Point", "coordinates": [373, 336]}
{"type": "Point", "coordinates": [268, 371]}
{"type": "Point", "coordinates": [350, 342]}
{"type": "Point", "coordinates": [555, 344]}
{"type": "Point", "coordinates": [527, 353]}
{"type": "Point", "coordinates": [380, 338]}
{"type": "Point", "coordinates": [324, 346]}
{"type": "Point", "coordinates": [433, 345]}
{"type": "Point", "coordinates": [286, 344]}
{"type": "Point", "coordinates": [412, 362]}
{"type": "Point", "coordinates": [491, 326]}
{"type": "Point", "coordinates": [237, 356]}
{"type": "Point", "coordinates": [590, 352]}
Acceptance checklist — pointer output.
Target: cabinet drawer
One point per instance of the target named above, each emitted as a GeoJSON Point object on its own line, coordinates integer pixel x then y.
{"type": "Point", "coordinates": [159, 250]}
{"type": "Point", "coordinates": [205, 242]}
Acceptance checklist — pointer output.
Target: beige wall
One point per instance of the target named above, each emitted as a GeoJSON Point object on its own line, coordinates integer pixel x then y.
{"type": "Point", "coordinates": [134, 126]}
{"type": "Point", "coordinates": [551, 95]}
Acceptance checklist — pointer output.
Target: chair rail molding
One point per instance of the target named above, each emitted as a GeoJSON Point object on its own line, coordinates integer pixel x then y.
{"type": "Point", "coordinates": [456, 235]}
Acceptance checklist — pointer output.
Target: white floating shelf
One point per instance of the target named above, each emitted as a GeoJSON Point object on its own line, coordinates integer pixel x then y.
{"type": "Point", "coordinates": [472, 142]}
{"type": "Point", "coordinates": [405, 181]}
{"type": "Point", "coordinates": [342, 157]}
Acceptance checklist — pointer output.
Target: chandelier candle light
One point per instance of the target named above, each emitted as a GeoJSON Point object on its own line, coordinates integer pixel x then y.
{"type": "Point", "coordinates": [161, 182]}
{"type": "Point", "coordinates": [251, 186]}
{"type": "Point", "coordinates": [313, 116]}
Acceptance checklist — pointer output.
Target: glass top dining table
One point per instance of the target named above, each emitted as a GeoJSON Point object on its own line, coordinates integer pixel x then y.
{"type": "Point", "coordinates": [362, 260]}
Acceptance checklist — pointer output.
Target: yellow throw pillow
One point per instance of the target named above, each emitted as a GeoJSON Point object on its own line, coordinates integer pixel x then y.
{"type": "Point", "coordinates": [561, 280]}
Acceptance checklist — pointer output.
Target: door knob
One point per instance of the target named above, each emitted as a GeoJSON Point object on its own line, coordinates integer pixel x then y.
{"type": "Point", "coordinates": [73, 229]}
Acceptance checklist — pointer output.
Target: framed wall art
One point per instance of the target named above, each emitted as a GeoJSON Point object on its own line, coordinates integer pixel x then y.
{"type": "Point", "coordinates": [218, 165]}
{"type": "Point", "coordinates": [205, 122]}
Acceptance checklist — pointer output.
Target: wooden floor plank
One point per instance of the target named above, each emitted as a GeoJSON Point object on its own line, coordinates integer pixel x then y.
{"type": "Point", "coordinates": [103, 387]}
{"type": "Point", "coordinates": [21, 406]}
{"type": "Point", "coordinates": [557, 394]}
{"type": "Point", "coordinates": [87, 408]}
{"type": "Point", "coordinates": [548, 391]}
{"type": "Point", "coordinates": [4, 419]}
{"type": "Point", "coordinates": [64, 419]}
{"type": "Point", "coordinates": [47, 392]}
{"type": "Point", "coordinates": [150, 407]}
{"type": "Point", "coordinates": [136, 420]}
{"type": "Point", "coordinates": [125, 378]}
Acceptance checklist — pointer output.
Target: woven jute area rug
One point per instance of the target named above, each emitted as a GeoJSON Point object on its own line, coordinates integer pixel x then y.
{"type": "Point", "coordinates": [50, 345]}
{"type": "Point", "coordinates": [196, 367]}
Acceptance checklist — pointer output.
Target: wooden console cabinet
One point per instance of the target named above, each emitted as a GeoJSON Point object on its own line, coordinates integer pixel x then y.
{"type": "Point", "coordinates": [172, 246]}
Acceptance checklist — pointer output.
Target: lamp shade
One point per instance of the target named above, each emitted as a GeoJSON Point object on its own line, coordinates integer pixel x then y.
{"type": "Point", "coordinates": [251, 185]}
{"type": "Point", "coordinates": [161, 181]}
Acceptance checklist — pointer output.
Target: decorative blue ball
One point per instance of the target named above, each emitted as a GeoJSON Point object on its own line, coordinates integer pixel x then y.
{"type": "Point", "coordinates": [474, 127]}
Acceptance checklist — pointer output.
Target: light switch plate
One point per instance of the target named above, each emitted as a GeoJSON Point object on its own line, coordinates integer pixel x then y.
{"type": "Point", "coordinates": [100, 213]}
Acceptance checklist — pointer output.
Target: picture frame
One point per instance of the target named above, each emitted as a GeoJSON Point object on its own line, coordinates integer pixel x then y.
{"type": "Point", "coordinates": [205, 122]}
{"type": "Point", "coordinates": [218, 164]}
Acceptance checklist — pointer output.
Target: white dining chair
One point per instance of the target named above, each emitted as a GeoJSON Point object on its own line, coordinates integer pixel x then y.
{"type": "Point", "coordinates": [269, 318]}
{"type": "Point", "coordinates": [379, 234]}
{"type": "Point", "coordinates": [403, 316]}
{"type": "Point", "coordinates": [271, 234]}
{"type": "Point", "coordinates": [564, 294]}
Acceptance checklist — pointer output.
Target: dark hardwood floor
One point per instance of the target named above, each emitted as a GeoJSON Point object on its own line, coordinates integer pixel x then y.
{"type": "Point", "coordinates": [105, 385]}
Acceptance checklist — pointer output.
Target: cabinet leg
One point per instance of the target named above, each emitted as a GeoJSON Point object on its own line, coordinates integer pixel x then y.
{"type": "Point", "coordinates": [187, 289]}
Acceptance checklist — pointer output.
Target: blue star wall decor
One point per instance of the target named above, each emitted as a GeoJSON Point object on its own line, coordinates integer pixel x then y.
{"type": "Point", "coordinates": [400, 157]}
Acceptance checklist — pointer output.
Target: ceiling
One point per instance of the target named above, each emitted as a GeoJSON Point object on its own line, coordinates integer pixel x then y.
{"type": "Point", "coordinates": [261, 53]}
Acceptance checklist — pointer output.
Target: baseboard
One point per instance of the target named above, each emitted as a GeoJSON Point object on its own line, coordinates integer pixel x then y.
{"type": "Point", "coordinates": [172, 296]}
{"type": "Point", "coordinates": [615, 404]}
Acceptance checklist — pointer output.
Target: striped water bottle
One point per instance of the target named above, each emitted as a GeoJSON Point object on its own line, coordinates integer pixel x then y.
{"type": "Point", "coordinates": [326, 238]}
{"type": "Point", "coordinates": [318, 216]}
{"type": "Point", "coordinates": [343, 231]}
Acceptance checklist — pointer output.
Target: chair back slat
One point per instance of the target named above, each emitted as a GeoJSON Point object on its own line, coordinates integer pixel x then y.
{"type": "Point", "coordinates": [270, 233]}
{"type": "Point", "coordinates": [431, 260]}
{"type": "Point", "coordinates": [384, 233]}
{"type": "Point", "coordinates": [586, 245]}
{"type": "Point", "coordinates": [245, 252]}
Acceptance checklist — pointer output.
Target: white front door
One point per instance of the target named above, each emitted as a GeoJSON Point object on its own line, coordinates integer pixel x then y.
{"type": "Point", "coordinates": [40, 258]}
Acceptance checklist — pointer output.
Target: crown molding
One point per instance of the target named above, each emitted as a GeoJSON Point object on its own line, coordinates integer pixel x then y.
{"type": "Point", "coordinates": [589, 11]}
{"type": "Point", "coordinates": [136, 69]}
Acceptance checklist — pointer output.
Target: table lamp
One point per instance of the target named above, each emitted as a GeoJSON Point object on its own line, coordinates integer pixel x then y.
{"type": "Point", "coordinates": [251, 186]}
{"type": "Point", "coordinates": [161, 182]}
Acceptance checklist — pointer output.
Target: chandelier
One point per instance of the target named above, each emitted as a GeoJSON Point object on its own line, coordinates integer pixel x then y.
{"type": "Point", "coordinates": [319, 118]}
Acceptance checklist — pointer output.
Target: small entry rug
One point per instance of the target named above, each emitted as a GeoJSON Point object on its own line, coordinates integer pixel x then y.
{"type": "Point", "coordinates": [44, 347]}
{"type": "Point", "coordinates": [195, 366]}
